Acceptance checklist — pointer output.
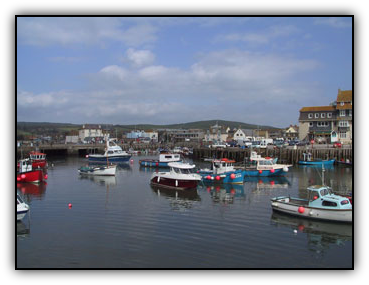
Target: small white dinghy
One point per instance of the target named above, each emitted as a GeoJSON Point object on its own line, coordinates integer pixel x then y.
{"type": "Point", "coordinates": [108, 170]}
{"type": "Point", "coordinates": [22, 208]}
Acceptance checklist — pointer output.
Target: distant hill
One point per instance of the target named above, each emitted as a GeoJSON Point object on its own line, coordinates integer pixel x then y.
{"type": "Point", "coordinates": [204, 125]}
{"type": "Point", "coordinates": [45, 128]}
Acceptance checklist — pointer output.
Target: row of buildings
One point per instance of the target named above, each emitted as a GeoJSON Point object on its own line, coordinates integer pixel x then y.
{"type": "Point", "coordinates": [325, 124]}
{"type": "Point", "coordinates": [216, 133]}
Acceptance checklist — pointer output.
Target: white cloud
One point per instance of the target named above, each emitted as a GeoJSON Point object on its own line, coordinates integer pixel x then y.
{"type": "Point", "coordinates": [139, 58]}
{"type": "Point", "coordinates": [239, 82]}
{"type": "Point", "coordinates": [66, 31]}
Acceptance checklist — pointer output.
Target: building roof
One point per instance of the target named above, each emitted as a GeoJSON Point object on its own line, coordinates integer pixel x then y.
{"type": "Point", "coordinates": [344, 107]}
{"type": "Point", "coordinates": [344, 96]}
{"type": "Point", "coordinates": [317, 109]}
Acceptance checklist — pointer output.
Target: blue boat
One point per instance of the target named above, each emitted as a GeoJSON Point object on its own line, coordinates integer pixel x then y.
{"type": "Point", "coordinates": [113, 154]}
{"type": "Point", "coordinates": [222, 171]}
{"type": "Point", "coordinates": [258, 166]}
{"type": "Point", "coordinates": [309, 161]}
{"type": "Point", "coordinates": [164, 159]}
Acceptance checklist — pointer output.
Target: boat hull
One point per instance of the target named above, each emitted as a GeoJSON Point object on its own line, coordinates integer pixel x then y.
{"type": "Point", "coordinates": [264, 173]}
{"type": "Point", "coordinates": [282, 204]}
{"type": "Point", "coordinates": [322, 162]}
{"type": "Point", "coordinates": [155, 163]}
{"type": "Point", "coordinates": [110, 159]}
{"type": "Point", "coordinates": [98, 171]}
{"type": "Point", "coordinates": [223, 178]}
{"type": "Point", "coordinates": [173, 183]}
{"type": "Point", "coordinates": [34, 176]}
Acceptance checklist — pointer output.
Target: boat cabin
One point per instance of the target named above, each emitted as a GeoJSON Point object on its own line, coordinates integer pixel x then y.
{"type": "Point", "coordinates": [37, 155]}
{"type": "Point", "coordinates": [222, 165]}
{"type": "Point", "coordinates": [181, 168]}
{"type": "Point", "coordinates": [25, 165]}
{"type": "Point", "coordinates": [260, 163]}
{"type": "Point", "coordinates": [320, 196]}
{"type": "Point", "coordinates": [169, 157]}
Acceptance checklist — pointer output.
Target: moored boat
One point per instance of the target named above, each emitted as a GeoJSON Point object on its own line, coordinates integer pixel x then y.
{"type": "Point", "coordinates": [180, 176]}
{"type": "Point", "coordinates": [263, 166]}
{"type": "Point", "coordinates": [309, 161]}
{"type": "Point", "coordinates": [321, 204]}
{"type": "Point", "coordinates": [113, 153]}
{"type": "Point", "coordinates": [26, 173]}
{"type": "Point", "coordinates": [109, 170]}
{"type": "Point", "coordinates": [222, 171]}
{"type": "Point", "coordinates": [163, 161]}
{"type": "Point", "coordinates": [22, 208]}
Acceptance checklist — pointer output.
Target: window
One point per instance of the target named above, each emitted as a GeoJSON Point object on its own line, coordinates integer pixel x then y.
{"type": "Point", "coordinates": [344, 202]}
{"type": "Point", "coordinates": [350, 112]}
{"type": "Point", "coordinates": [322, 115]}
{"type": "Point", "coordinates": [311, 124]}
{"type": "Point", "coordinates": [342, 103]}
{"type": "Point", "coordinates": [316, 115]}
{"type": "Point", "coordinates": [342, 135]}
{"type": "Point", "coordinates": [310, 116]}
{"type": "Point", "coordinates": [329, 115]}
{"type": "Point", "coordinates": [329, 204]}
{"type": "Point", "coordinates": [343, 124]}
{"type": "Point", "coordinates": [342, 113]}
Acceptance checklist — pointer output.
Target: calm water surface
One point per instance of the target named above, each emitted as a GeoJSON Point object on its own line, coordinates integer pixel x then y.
{"type": "Point", "coordinates": [122, 222]}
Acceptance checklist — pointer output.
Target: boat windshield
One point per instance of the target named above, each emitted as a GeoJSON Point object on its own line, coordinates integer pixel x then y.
{"type": "Point", "coordinates": [265, 162]}
{"type": "Point", "coordinates": [182, 171]}
{"type": "Point", "coordinates": [325, 191]}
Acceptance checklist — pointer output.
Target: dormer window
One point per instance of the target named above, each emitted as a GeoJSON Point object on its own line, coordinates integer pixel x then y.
{"type": "Point", "coordinates": [322, 115]}
{"type": "Point", "coordinates": [310, 116]}
{"type": "Point", "coordinates": [316, 115]}
{"type": "Point", "coordinates": [329, 115]}
{"type": "Point", "coordinates": [342, 103]}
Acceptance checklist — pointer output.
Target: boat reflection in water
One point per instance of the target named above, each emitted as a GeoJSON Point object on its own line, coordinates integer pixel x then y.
{"type": "Point", "coordinates": [22, 230]}
{"type": "Point", "coordinates": [268, 182]}
{"type": "Point", "coordinates": [101, 180]}
{"type": "Point", "coordinates": [225, 193]}
{"type": "Point", "coordinates": [120, 166]}
{"type": "Point", "coordinates": [180, 200]}
{"type": "Point", "coordinates": [32, 190]}
{"type": "Point", "coordinates": [320, 234]}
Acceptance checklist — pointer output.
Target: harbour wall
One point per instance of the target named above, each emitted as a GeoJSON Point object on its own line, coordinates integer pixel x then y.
{"type": "Point", "coordinates": [285, 155]}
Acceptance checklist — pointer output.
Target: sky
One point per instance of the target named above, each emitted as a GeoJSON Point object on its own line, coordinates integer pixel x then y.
{"type": "Point", "coordinates": [167, 70]}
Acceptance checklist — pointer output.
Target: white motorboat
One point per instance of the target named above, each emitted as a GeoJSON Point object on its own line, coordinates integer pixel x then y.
{"type": "Point", "coordinates": [22, 208]}
{"type": "Point", "coordinates": [180, 176]}
{"type": "Point", "coordinates": [321, 204]}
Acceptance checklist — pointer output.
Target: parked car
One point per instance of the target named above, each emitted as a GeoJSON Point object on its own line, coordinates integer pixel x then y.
{"type": "Point", "coordinates": [337, 145]}
{"type": "Point", "coordinates": [293, 142]}
{"type": "Point", "coordinates": [302, 143]}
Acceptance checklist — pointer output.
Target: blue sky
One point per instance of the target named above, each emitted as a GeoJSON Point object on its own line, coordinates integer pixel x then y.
{"type": "Point", "coordinates": [164, 70]}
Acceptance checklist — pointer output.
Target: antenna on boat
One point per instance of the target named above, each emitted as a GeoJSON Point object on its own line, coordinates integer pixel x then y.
{"type": "Point", "coordinates": [323, 170]}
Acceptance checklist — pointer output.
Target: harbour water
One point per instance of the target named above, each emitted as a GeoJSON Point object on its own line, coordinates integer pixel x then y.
{"type": "Point", "coordinates": [123, 222]}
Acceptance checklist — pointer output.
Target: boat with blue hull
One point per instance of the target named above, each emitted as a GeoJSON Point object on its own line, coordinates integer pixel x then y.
{"type": "Point", "coordinates": [113, 154]}
{"type": "Point", "coordinates": [257, 166]}
{"type": "Point", "coordinates": [163, 161]}
{"type": "Point", "coordinates": [309, 161]}
{"type": "Point", "coordinates": [222, 171]}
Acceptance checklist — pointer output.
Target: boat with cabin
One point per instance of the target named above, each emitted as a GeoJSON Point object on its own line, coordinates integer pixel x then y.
{"type": "Point", "coordinates": [308, 160]}
{"type": "Point", "coordinates": [26, 173]}
{"type": "Point", "coordinates": [321, 204]}
{"type": "Point", "coordinates": [38, 159]}
{"type": "Point", "coordinates": [222, 171]}
{"type": "Point", "coordinates": [257, 166]}
{"type": "Point", "coordinates": [113, 153]}
{"type": "Point", "coordinates": [180, 176]}
{"type": "Point", "coordinates": [163, 161]}
{"type": "Point", "coordinates": [22, 208]}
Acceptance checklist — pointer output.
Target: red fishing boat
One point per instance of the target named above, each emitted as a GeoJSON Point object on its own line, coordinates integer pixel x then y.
{"type": "Point", "coordinates": [27, 173]}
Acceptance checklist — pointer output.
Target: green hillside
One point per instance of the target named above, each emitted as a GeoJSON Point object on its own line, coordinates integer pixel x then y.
{"type": "Point", "coordinates": [46, 129]}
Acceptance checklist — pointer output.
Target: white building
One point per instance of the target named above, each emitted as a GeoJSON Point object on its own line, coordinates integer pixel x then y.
{"type": "Point", "coordinates": [90, 131]}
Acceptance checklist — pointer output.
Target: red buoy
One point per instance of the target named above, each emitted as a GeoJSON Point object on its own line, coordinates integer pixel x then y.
{"type": "Point", "coordinates": [233, 176]}
{"type": "Point", "coordinates": [18, 179]}
{"type": "Point", "coordinates": [208, 177]}
{"type": "Point", "coordinates": [45, 176]}
{"type": "Point", "coordinates": [272, 170]}
{"type": "Point", "coordinates": [23, 176]}
{"type": "Point", "coordinates": [157, 164]}
{"type": "Point", "coordinates": [217, 177]}
{"type": "Point", "coordinates": [301, 209]}
{"type": "Point", "coordinates": [260, 171]}
{"type": "Point", "coordinates": [70, 205]}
